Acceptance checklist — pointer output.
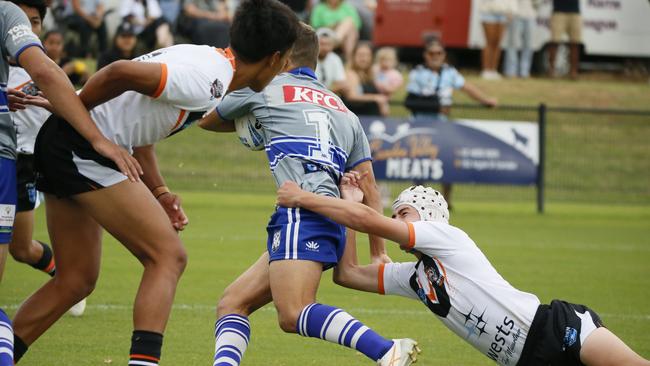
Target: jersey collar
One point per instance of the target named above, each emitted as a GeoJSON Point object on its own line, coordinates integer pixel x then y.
{"type": "Point", "coordinates": [304, 71]}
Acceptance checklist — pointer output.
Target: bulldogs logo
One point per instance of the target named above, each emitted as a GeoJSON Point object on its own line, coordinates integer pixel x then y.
{"type": "Point", "coordinates": [216, 89]}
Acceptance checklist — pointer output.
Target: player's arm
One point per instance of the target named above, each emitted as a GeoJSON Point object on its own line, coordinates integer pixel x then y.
{"type": "Point", "coordinates": [354, 215]}
{"type": "Point", "coordinates": [213, 122]}
{"type": "Point", "coordinates": [56, 86]}
{"type": "Point", "coordinates": [348, 273]}
{"type": "Point", "coordinates": [372, 199]}
{"type": "Point", "coordinates": [152, 178]}
{"type": "Point", "coordinates": [147, 78]}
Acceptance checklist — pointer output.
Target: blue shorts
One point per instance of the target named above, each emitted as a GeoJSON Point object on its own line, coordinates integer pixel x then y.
{"type": "Point", "coordinates": [8, 198]}
{"type": "Point", "coordinates": [302, 234]}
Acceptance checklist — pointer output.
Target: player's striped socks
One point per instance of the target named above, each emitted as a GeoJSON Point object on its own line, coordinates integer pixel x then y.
{"type": "Point", "coordinates": [335, 325]}
{"type": "Point", "coordinates": [145, 348]}
{"type": "Point", "coordinates": [46, 263]}
{"type": "Point", "coordinates": [232, 333]}
{"type": "Point", "coordinates": [6, 340]}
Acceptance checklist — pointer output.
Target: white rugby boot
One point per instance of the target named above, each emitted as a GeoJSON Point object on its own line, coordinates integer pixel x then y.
{"type": "Point", "coordinates": [403, 353]}
{"type": "Point", "coordinates": [78, 309]}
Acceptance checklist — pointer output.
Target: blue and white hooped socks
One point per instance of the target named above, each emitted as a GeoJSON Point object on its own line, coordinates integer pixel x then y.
{"type": "Point", "coordinates": [232, 334]}
{"type": "Point", "coordinates": [335, 325]}
{"type": "Point", "coordinates": [6, 340]}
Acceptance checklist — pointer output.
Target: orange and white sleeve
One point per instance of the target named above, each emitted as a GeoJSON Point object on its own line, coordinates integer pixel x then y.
{"type": "Point", "coordinates": [394, 279]}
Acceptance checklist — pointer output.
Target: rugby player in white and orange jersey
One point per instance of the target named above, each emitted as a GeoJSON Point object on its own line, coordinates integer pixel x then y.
{"type": "Point", "coordinates": [310, 137]}
{"type": "Point", "coordinates": [457, 283]}
{"type": "Point", "coordinates": [135, 104]}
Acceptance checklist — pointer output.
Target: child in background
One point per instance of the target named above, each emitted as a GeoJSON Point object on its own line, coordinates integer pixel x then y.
{"type": "Point", "coordinates": [387, 78]}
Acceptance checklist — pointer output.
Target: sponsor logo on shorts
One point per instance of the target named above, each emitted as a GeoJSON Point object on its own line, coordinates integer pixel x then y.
{"type": "Point", "coordinates": [7, 213]}
{"type": "Point", "coordinates": [276, 241]}
{"type": "Point", "coordinates": [570, 337]}
{"type": "Point", "coordinates": [312, 246]}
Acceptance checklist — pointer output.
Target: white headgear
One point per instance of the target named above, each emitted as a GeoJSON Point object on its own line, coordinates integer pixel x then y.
{"type": "Point", "coordinates": [428, 202]}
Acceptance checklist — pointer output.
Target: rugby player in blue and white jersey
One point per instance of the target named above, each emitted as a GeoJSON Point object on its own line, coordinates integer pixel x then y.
{"type": "Point", "coordinates": [457, 283]}
{"type": "Point", "coordinates": [310, 137]}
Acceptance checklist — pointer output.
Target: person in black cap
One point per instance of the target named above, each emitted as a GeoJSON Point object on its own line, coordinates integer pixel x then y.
{"type": "Point", "coordinates": [123, 46]}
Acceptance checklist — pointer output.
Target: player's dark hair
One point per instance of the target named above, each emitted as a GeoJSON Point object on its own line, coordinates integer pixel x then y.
{"type": "Point", "coordinates": [305, 50]}
{"type": "Point", "coordinates": [51, 32]}
{"type": "Point", "coordinates": [40, 5]}
{"type": "Point", "coordinates": [262, 27]}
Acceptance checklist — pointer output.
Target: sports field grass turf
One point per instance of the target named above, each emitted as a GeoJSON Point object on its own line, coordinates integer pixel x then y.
{"type": "Point", "coordinates": [592, 254]}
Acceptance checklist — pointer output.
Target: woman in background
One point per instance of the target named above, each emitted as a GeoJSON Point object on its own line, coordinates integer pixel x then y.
{"type": "Point", "coordinates": [343, 18]}
{"type": "Point", "coordinates": [362, 96]}
{"type": "Point", "coordinates": [495, 14]}
{"type": "Point", "coordinates": [519, 39]}
{"type": "Point", "coordinates": [123, 46]}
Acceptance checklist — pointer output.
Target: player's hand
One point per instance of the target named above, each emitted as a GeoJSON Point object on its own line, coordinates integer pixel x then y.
{"type": "Point", "coordinates": [171, 203]}
{"type": "Point", "coordinates": [379, 259]}
{"type": "Point", "coordinates": [289, 194]}
{"type": "Point", "coordinates": [491, 102]}
{"type": "Point", "coordinates": [16, 99]}
{"type": "Point", "coordinates": [349, 186]}
{"type": "Point", "coordinates": [39, 101]}
{"type": "Point", "coordinates": [126, 163]}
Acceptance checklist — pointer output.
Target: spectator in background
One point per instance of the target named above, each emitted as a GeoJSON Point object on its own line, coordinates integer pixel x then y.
{"type": "Point", "coordinates": [343, 18]}
{"type": "Point", "coordinates": [330, 70]}
{"type": "Point", "coordinates": [123, 46]}
{"type": "Point", "coordinates": [566, 19]}
{"type": "Point", "coordinates": [76, 70]}
{"type": "Point", "coordinates": [366, 10]}
{"type": "Point", "coordinates": [431, 86]}
{"type": "Point", "coordinates": [520, 32]}
{"type": "Point", "coordinates": [206, 22]}
{"type": "Point", "coordinates": [494, 17]}
{"type": "Point", "coordinates": [300, 7]}
{"type": "Point", "coordinates": [87, 17]}
{"type": "Point", "coordinates": [170, 10]}
{"type": "Point", "coordinates": [148, 23]}
{"type": "Point", "coordinates": [362, 96]}
{"type": "Point", "coordinates": [387, 78]}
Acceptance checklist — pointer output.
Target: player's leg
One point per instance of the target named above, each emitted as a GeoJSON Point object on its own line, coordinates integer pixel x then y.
{"type": "Point", "coordinates": [6, 340]}
{"type": "Point", "coordinates": [294, 284]}
{"type": "Point", "coordinates": [604, 348]}
{"type": "Point", "coordinates": [76, 238]}
{"type": "Point", "coordinates": [26, 250]}
{"type": "Point", "coordinates": [4, 249]}
{"type": "Point", "coordinates": [246, 294]}
{"type": "Point", "coordinates": [133, 216]}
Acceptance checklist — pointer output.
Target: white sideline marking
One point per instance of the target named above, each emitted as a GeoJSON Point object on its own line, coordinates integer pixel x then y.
{"type": "Point", "coordinates": [270, 308]}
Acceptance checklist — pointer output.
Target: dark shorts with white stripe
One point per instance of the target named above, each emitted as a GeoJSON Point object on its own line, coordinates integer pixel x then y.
{"type": "Point", "coordinates": [66, 164]}
{"type": "Point", "coordinates": [556, 334]}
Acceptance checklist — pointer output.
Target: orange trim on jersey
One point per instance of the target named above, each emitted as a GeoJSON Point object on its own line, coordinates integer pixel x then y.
{"type": "Point", "coordinates": [380, 279]}
{"type": "Point", "coordinates": [181, 116]}
{"type": "Point", "coordinates": [163, 81]}
{"type": "Point", "coordinates": [21, 85]}
{"type": "Point", "coordinates": [444, 271]}
{"type": "Point", "coordinates": [145, 357]}
{"type": "Point", "coordinates": [411, 242]}
{"type": "Point", "coordinates": [227, 53]}
{"type": "Point", "coordinates": [50, 266]}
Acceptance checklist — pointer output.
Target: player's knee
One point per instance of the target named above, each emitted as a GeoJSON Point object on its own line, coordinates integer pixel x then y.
{"type": "Point", "coordinates": [19, 252]}
{"type": "Point", "coordinates": [287, 323]}
{"type": "Point", "coordinates": [231, 303]}
{"type": "Point", "coordinates": [77, 287]}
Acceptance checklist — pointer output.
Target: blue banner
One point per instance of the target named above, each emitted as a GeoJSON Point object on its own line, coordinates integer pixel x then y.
{"type": "Point", "coordinates": [467, 151]}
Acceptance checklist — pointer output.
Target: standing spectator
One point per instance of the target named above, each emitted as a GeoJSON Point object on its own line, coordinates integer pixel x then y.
{"type": "Point", "coordinates": [520, 31]}
{"type": "Point", "coordinates": [87, 17]}
{"type": "Point", "coordinates": [330, 70]}
{"type": "Point", "coordinates": [76, 70]}
{"type": "Point", "coordinates": [148, 23]}
{"type": "Point", "coordinates": [566, 19]}
{"type": "Point", "coordinates": [343, 18]}
{"type": "Point", "coordinates": [494, 16]}
{"type": "Point", "coordinates": [362, 96]}
{"type": "Point", "coordinates": [431, 86]}
{"type": "Point", "coordinates": [206, 22]}
{"type": "Point", "coordinates": [387, 78]}
{"type": "Point", "coordinates": [123, 46]}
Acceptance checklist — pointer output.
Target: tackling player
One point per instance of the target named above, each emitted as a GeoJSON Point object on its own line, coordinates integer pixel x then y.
{"type": "Point", "coordinates": [137, 103]}
{"type": "Point", "coordinates": [310, 137]}
{"type": "Point", "coordinates": [454, 279]}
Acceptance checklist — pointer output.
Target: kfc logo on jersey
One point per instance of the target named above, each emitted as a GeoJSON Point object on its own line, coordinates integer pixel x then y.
{"type": "Point", "coordinates": [301, 94]}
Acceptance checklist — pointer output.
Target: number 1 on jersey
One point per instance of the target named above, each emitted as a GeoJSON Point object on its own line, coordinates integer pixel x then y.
{"type": "Point", "coordinates": [321, 121]}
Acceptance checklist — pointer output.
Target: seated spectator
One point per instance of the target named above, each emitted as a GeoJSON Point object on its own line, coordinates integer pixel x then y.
{"type": "Point", "coordinates": [76, 70]}
{"type": "Point", "coordinates": [343, 18]}
{"type": "Point", "coordinates": [362, 97]}
{"type": "Point", "coordinates": [431, 86]}
{"type": "Point", "coordinates": [123, 46]}
{"type": "Point", "coordinates": [87, 17]}
{"type": "Point", "coordinates": [387, 78]}
{"type": "Point", "coordinates": [148, 23]}
{"type": "Point", "coordinates": [330, 70]}
{"type": "Point", "coordinates": [206, 22]}
{"type": "Point", "coordinates": [170, 10]}
{"type": "Point", "coordinates": [366, 10]}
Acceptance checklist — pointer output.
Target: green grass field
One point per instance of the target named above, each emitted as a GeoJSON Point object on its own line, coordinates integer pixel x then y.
{"type": "Point", "coordinates": [592, 254]}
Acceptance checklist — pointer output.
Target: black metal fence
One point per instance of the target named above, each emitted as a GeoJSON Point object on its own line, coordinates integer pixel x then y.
{"type": "Point", "coordinates": [591, 155]}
